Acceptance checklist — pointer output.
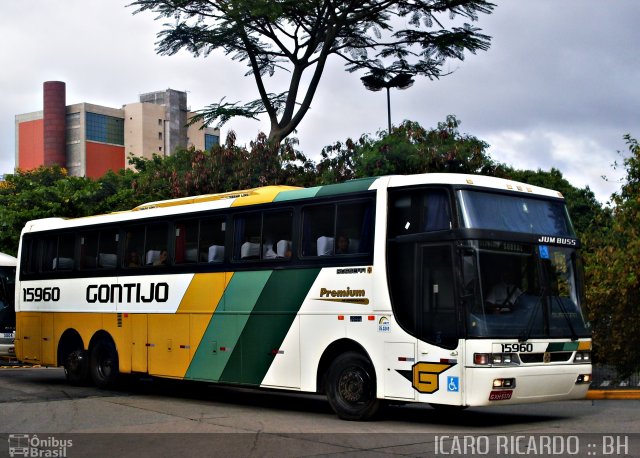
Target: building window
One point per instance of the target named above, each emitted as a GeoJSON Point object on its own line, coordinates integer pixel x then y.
{"type": "Point", "coordinates": [105, 129]}
{"type": "Point", "coordinates": [159, 135]}
{"type": "Point", "coordinates": [210, 141]}
{"type": "Point", "coordinates": [159, 122]}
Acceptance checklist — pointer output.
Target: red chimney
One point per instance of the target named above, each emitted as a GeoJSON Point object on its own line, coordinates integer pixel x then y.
{"type": "Point", "coordinates": [55, 116]}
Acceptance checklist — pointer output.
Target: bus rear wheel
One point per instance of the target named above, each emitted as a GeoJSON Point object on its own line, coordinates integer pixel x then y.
{"type": "Point", "coordinates": [351, 387]}
{"type": "Point", "coordinates": [76, 367]}
{"type": "Point", "coordinates": [104, 365]}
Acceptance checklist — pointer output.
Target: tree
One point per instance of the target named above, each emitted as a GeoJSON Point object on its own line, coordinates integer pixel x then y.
{"type": "Point", "coordinates": [613, 274]}
{"type": "Point", "coordinates": [377, 36]}
{"type": "Point", "coordinates": [48, 192]}
{"type": "Point", "coordinates": [224, 168]}
{"type": "Point", "coordinates": [409, 149]}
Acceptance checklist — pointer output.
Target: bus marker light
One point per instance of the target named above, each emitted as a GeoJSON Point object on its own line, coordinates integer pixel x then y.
{"type": "Point", "coordinates": [481, 359]}
{"type": "Point", "coordinates": [371, 317]}
{"type": "Point", "coordinates": [340, 317]}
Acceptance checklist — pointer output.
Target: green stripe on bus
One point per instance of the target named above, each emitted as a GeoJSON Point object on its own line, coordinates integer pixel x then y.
{"type": "Point", "coordinates": [268, 325]}
{"type": "Point", "coordinates": [562, 346]}
{"type": "Point", "coordinates": [221, 338]}
{"type": "Point", "coordinates": [360, 185]}
{"type": "Point", "coordinates": [297, 194]}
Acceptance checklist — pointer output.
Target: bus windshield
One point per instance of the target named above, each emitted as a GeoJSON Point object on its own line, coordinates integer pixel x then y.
{"type": "Point", "coordinates": [517, 290]}
{"type": "Point", "coordinates": [486, 210]}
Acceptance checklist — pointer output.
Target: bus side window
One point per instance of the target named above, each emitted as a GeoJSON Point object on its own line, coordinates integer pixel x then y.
{"type": "Point", "coordinates": [318, 227]}
{"type": "Point", "coordinates": [354, 228]}
{"type": "Point", "coordinates": [186, 242]}
{"type": "Point", "coordinates": [436, 211]}
{"type": "Point", "coordinates": [30, 255]}
{"type": "Point", "coordinates": [156, 253]}
{"type": "Point", "coordinates": [48, 253]}
{"type": "Point", "coordinates": [212, 240]}
{"type": "Point", "coordinates": [134, 247]}
{"type": "Point", "coordinates": [277, 230]}
{"type": "Point", "coordinates": [247, 235]}
{"type": "Point", "coordinates": [65, 256]}
{"type": "Point", "coordinates": [108, 249]}
{"type": "Point", "coordinates": [89, 250]}
{"type": "Point", "coordinates": [425, 210]}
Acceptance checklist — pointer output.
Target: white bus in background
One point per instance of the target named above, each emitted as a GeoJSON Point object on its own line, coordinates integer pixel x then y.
{"type": "Point", "coordinates": [7, 311]}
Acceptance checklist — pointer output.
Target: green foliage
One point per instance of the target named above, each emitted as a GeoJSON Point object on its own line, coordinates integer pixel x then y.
{"type": "Point", "coordinates": [48, 192]}
{"type": "Point", "coordinates": [225, 168]}
{"type": "Point", "coordinates": [409, 149]}
{"type": "Point", "coordinates": [613, 274]}
{"type": "Point", "coordinates": [377, 36]}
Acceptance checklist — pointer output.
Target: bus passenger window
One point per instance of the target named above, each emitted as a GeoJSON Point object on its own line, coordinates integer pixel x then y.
{"type": "Point", "coordinates": [212, 240]}
{"type": "Point", "coordinates": [108, 249]}
{"type": "Point", "coordinates": [247, 236]}
{"type": "Point", "coordinates": [318, 227]}
{"type": "Point", "coordinates": [156, 245]}
{"type": "Point", "coordinates": [49, 252]}
{"type": "Point", "coordinates": [354, 228]}
{"type": "Point", "coordinates": [277, 230]}
{"type": "Point", "coordinates": [89, 250]}
{"type": "Point", "coordinates": [186, 242]}
{"type": "Point", "coordinates": [66, 248]}
{"type": "Point", "coordinates": [134, 247]}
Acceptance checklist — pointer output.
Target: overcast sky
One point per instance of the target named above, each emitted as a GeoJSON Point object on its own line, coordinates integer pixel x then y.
{"type": "Point", "coordinates": [558, 88]}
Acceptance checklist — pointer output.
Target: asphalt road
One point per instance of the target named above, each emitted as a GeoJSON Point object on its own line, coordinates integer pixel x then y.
{"type": "Point", "coordinates": [155, 418]}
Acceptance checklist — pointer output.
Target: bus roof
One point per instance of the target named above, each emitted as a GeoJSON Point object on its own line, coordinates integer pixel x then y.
{"type": "Point", "coordinates": [7, 260]}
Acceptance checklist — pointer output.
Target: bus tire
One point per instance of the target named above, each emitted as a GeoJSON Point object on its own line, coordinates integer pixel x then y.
{"type": "Point", "coordinates": [76, 367]}
{"type": "Point", "coordinates": [351, 387]}
{"type": "Point", "coordinates": [104, 364]}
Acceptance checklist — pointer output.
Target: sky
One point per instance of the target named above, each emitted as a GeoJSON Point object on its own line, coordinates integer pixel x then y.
{"type": "Point", "coordinates": [559, 86]}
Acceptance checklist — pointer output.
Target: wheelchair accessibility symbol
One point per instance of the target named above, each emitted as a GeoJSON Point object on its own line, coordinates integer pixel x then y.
{"type": "Point", "coordinates": [453, 384]}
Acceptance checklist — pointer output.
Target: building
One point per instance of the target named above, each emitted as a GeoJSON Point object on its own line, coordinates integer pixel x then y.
{"type": "Point", "coordinates": [91, 139]}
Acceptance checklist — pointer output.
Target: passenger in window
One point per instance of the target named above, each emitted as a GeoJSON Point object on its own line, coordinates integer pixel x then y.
{"type": "Point", "coordinates": [162, 259]}
{"type": "Point", "coordinates": [133, 260]}
{"type": "Point", "coordinates": [342, 245]}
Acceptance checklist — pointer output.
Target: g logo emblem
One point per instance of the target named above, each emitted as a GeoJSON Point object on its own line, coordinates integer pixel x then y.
{"type": "Point", "coordinates": [425, 376]}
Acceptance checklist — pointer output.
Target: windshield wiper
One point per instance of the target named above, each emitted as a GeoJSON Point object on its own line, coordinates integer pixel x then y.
{"type": "Point", "coordinates": [527, 332]}
{"type": "Point", "coordinates": [574, 335]}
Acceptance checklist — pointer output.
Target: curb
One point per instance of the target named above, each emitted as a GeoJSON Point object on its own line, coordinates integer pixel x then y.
{"type": "Point", "coordinates": [613, 394]}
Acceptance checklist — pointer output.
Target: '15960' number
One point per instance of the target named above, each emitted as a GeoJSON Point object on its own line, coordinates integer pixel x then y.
{"type": "Point", "coordinates": [517, 348]}
{"type": "Point", "coordinates": [41, 294]}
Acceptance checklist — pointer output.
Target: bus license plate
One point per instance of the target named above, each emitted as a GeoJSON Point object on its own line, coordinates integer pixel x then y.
{"type": "Point", "coordinates": [502, 395]}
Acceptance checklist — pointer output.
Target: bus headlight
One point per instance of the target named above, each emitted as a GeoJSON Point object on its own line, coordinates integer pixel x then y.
{"type": "Point", "coordinates": [485, 359]}
{"type": "Point", "coordinates": [582, 357]}
{"type": "Point", "coordinates": [583, 379]}
{"type": "Point", "coordinates": [507, 383]}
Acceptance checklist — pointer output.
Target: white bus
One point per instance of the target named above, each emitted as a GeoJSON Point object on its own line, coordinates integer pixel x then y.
{"type": "Point", "coordinates": [7, 311]}
{"type": "Point", "coordinates": [453, 290]}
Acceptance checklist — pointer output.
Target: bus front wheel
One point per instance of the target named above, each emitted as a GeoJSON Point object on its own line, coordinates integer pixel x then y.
{"type": "Point", "coordinates": [104, 364]}
{"type": "Point", "coordinates": [351, 387]}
